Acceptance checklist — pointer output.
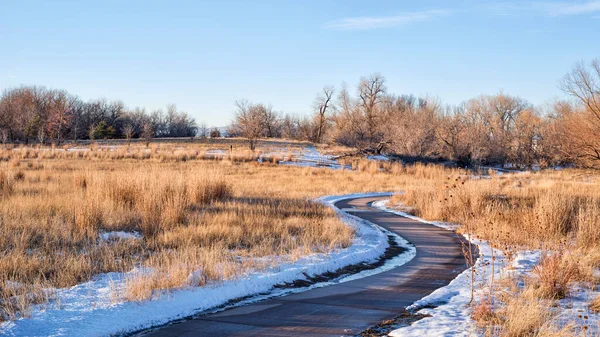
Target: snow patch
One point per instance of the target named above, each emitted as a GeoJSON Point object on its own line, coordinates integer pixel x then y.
{"type": "Point", "coordinates": [448, 306]}
{"type": "Point", "coordinates": [91, 309]}
{"type": "Point", "coordinates": [119, 235]}
{"type": "Point", "coordinates": [378, 157]}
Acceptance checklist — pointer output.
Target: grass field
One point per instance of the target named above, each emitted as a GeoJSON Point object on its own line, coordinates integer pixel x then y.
{"type": "Point", "coordinates": [557, 212]}
{"type": "Point", "coordinates": [62, 208]}
{"type": "Point", "coordinates": [191, 210]}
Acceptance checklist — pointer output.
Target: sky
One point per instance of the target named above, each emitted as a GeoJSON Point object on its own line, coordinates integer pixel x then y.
{"type": "Point", "coordinates": [205, 55]}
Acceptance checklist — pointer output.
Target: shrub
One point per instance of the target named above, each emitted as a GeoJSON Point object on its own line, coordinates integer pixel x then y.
{"type": "Point", "coordinates": [554, 274]}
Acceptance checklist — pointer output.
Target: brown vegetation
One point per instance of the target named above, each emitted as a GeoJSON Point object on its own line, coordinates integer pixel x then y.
{"type": "Point", "coordinates": [197, 210]}
{"type": "Point", "coordinates": [489, 129]}
{"type": "Point", "coordinates": [595, 305]}
{"type": "Point", "coordinates": [556, 211]}
{"type": "Point", "coordinates": [213, 215]}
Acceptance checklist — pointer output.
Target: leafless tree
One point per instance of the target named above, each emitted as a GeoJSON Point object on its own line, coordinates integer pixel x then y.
{"type": "Point", "coordinates": [583, 126]}
{"type": "Point", "coordinates": [322, 103]}
{"type": "Point", "coordinates": [409, 124]}
{"type": "Point", "coordinates": [453, 133]}
{"type": "Point", "coordinates": [492, 123]}
{"type": "Point", "coordinates": [248, 121]}
{"type": "Point", "coordinates": [147, 133]}
{"type": "Point", "coordinates": [270, 120]}
{"type": "Point", "coordinates": [4, 136]}
{"type": "Point", "coordinates": [215, 133]}
{"type": "Point", "coordinates": [128, 132]}
{"type": "Point", "coordinates": [370, 90]}
{"type": "Point", "coordinates": [203, 130]}
{"type": "Point", "coordinates": [92, 132]}
{"type": "Point", "coordinates": [349, 127]}
{"type": "Point", "coordinates": [60, 111]}
{"type": "Point", "coordinates": [524, 149]}
{"type": "Point", "coordinates": [584, 83]}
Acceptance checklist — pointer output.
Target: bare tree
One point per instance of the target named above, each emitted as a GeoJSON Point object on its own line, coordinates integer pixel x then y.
{"type": "Point", "coordinates": [60, 107]}
{"type": "Point", "coordinates": [41, 135]}
{"type": "Point", "coordinates": [270, 120]}
{"type": "Point", "coordinates": [453, 133]}
{"type": "Point", "coordinates": [370, 91]}
{"type": "Point", "coordinates": [215, 133]}
{"type": "Point", "coordinates": [128, 131]}
{"type": "Point", "coordinates": [492, 123]}
{"type": "Point", "coordinates": [525, 138]}
{"type": "Point", "coordinates": [203, 130]}
{"type": "Point", "coordinates": [583, 126]}
{"type": "Point", "coordinates": [322, 103]}
{"type": "Point", "coordinates": [249, 121]}
{"type": "Point", "coordinates": [147, 133]}
{"type": "Point", "coordinates": [92, 132]}
{"type": "Point", "coordinates": [584, 84]}
{"type": "Point", "coordinates": [4, 136]}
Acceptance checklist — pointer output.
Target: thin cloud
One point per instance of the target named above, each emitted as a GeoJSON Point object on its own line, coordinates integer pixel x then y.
{"type": "Point", "coordinates": [377, 22]}
{"type": "Point", "coordinates": [544, 8]}
{"type": "Point", "coordinates": [569, 8]}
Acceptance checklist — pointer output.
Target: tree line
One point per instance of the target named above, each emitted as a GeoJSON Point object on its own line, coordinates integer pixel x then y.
{"type": "Point", "coordinates": [489, 129]}
{"type": "Point", "coordinates": [38, 114]}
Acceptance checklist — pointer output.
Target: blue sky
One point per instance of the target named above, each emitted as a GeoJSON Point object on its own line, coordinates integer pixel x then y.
{"type": "Point", "coordinates": [204, 55]}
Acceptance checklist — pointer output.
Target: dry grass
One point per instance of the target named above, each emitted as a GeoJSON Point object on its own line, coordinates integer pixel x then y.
{"type": "Point", "coordinates": [484, 313]}
{"type": "Point", "coordinates": [206, 216]}
{"type": "Point", "coordinates": [524, 316]}
{"type": "Point", "coordinates": [558, 212]}
{"type": "Point", "coordinates": [595, 304]}
{"type": "Point", "coordinates": [555, 274]}
{"type": "Point", "coordinates": [194, 213]}
{"type": "Point", "coordinates": [529, 209]}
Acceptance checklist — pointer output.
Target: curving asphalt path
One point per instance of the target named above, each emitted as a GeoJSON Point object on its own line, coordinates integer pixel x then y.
{"type": "Point", "coordinates": [349, 308]}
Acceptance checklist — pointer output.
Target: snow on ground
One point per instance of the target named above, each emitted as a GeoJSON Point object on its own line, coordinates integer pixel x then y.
{"type": "Point", "coordinates": [311, 157]}
{"type": "Point", "coordinates": [575, 309]}
{"type": "Point", "coordinates": [91, 309]}
{"type": "Point", "coordinates": [448, 306]}
{"type": "Point", "coordinates": [217, 152]}
{"type": "Point", "coordinates": [119, 235]}
{"type": "Point", "coordinates": [307, 157]}
{"type": "Point", "coordinates": [379, 157]}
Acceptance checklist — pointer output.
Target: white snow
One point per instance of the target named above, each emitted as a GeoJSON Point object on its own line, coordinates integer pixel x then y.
{"type": "Point", "coordinates": [575, 309]}
{"type": "Point", "coordinates": [306, 157]}
{"type": "Point", "coordinates": [448, 306]}
{"type": "Point", "coordinates": [119, 235]}
{"type": "Point", "coordinates": [217, 152]}
{"type": "Point", "coordinates": [382, 205]}
{"type": "Point", "coordinates": [379, 157]}
{"type": "Point", "coordinates": [91, 309]}
{"type": "Point", "coordinates": [311, 157]}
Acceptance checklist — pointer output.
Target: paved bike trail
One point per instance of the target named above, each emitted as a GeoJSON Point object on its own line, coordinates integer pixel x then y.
{"type": "Point", "coordinates": [349, 308]}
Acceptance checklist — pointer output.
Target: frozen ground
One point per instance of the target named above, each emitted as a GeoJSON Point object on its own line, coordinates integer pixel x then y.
{"type": "Point", "coordinates": [119, 235]}
{"type": "Point", "coordinates": [92, 309]}
{"type": "Point", "coordinates": [379, 157]}
{"type": "Point", "coordinates": [311, 157]}
{"type": "Point", "coordinates": [306, 157]}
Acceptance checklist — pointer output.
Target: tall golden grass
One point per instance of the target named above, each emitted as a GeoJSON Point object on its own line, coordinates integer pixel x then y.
{"type": "Point", "coordinates": [193, 213]}
{"type": "Point", "coordinates": [215, 213]}
{"type": "Point", "coordinates": [555, 211]}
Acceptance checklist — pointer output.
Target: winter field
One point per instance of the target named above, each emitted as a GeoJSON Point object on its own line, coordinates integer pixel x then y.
{"type": "Point", "coordinates": [96, 237]}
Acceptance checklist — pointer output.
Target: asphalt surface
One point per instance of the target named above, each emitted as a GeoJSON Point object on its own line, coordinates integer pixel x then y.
{"type": "Point", "coordinates": [348, 308]}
